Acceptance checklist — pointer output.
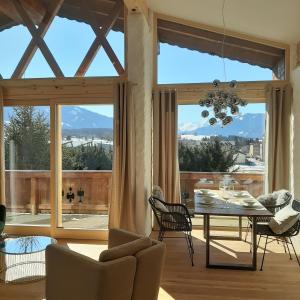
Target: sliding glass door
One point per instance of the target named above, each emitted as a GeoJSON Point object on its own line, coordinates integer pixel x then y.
{"type": "Point", "coordinates": [85, 143]}
{"type": "Point", "coordinates": [27, 164]}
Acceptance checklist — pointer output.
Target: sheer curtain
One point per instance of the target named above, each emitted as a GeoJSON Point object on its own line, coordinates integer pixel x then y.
{"type": "Point", "coordinates": [279, 137]}
{"type": "Point", "coordinates": [122, 206]}
{"type": "Point", "coordinates": [165, 155]}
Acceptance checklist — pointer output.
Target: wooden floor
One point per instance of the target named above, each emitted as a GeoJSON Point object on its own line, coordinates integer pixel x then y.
{"type": "Point", "coordinates": [280, 278]}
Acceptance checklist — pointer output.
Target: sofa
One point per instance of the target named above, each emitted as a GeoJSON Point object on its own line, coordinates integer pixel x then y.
{"type": "Point", "coordinates": [129, 270]}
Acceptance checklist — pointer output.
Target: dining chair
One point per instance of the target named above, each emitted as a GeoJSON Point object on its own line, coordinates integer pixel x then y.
{"type": "Point", "coordinates": [175, 218]}
{"type": "Point", "coordinates": [264, 230]}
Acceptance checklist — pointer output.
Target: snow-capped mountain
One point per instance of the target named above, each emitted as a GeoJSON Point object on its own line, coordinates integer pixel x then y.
{"type": "Point", "coordinates": [250, 125]}
{"type": "Point", "coordinates": [74, 117]}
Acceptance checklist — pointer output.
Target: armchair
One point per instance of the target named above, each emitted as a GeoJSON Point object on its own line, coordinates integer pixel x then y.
{"type": "Point", "coordinates": [173, 217]}
{"type": "Point", "coordinates": [129, 270]}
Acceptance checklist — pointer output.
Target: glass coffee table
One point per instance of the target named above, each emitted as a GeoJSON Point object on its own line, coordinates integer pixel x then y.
{"type": "Point", "coordinates": [23, 259]}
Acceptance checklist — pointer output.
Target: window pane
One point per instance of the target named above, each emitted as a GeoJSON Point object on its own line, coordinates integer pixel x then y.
{"type": "Point", "coordinates": [180, 65]}
{"type": "Point", "coordinates": [87, 151]}
{"type": "Point", "coordinates": [27, 164]}
{"type": "Point", "coordinates": [208, 152]}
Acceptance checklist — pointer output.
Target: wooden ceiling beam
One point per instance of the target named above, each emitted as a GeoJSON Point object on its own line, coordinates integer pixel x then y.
{"type": "Point", "coordinates": [138, 6]}
{"type": "Point", "coordinates": [35, 9]}
{"type": "Point", "coordinates": [38, 40]}
{"type": "Point", "coordinates": [102, 33]}
{"type": "Point", "coordinates": [32, 47]}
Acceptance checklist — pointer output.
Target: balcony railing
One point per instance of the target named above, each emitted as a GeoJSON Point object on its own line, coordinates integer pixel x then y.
{"type": "Point", "coordinates": [29, 191]}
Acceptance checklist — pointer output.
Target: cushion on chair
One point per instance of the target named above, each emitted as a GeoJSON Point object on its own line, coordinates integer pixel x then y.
{"type": "Point", "coordinates": [284, 220]}
{"type": "Point", "coordinates": [161, 206]}
{"type": "Point", "coordinates": [158, 193]}
{"type": "Point", "coordinates": [276, 198]}
{"type": "Point", "coordinates": [128, 249]}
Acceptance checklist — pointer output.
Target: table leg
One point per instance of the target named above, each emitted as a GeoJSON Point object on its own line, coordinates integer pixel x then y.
{"type": "Point", "coordinates": [254, 244]}
{"type": "Point", "coordinates": [204, 226]}
{"type": "Point", "coordinates": [240, 228]}
{"type": "Point", "coordinates": [207, 235]}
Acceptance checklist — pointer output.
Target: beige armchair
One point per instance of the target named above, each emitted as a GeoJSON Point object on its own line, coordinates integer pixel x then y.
{"type": "Point", "coordinates": [129, 270]}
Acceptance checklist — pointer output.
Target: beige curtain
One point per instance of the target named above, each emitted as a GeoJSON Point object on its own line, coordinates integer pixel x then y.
{"type": "Point", "coordinates": [122, 205]}
{"type": "Point", "coordinates": [278, 137]}
{"type": "Point", "coordinates": [165, 156]}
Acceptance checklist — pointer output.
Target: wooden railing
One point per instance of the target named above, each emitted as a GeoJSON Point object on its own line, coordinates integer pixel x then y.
{"type": "Point", "coordinates": [29, 191]}
{"type": "Point", "coordinates": [251, 182]}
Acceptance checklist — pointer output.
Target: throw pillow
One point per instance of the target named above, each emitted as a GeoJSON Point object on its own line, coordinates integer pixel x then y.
{"type": "Point", "coordinates": [284, 220]}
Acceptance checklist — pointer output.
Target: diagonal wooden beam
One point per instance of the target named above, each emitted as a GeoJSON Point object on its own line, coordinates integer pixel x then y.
{"type": "Point", "coordinates": [113, 57]}
{"type": "Point", "coordinates": [105, 44]}
{"type": "Point", "coordinates": [32, 47]}
{"type": "Point", "coordinates": [111, 19]}
{"type": "Point", "coordinates": [38, 40]}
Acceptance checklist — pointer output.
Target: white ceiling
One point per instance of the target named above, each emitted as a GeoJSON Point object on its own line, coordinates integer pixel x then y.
{"type": "Point", "coordinates": [277, 20]}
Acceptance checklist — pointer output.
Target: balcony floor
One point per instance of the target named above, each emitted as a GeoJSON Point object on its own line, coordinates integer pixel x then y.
{"type": "Point", "coordinates": [78, 221]}
{"type": "Point", "coordinates": [180, 281]}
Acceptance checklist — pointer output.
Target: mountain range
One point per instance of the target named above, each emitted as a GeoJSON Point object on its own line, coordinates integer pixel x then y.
{"type": "Point", "coordinates": [250, 125]}
{"type": "Point", "coordinates": [73, 117]}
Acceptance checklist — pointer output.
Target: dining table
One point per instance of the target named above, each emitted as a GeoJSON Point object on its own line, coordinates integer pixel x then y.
{"type": "Point", "coordinates": [233, 205]}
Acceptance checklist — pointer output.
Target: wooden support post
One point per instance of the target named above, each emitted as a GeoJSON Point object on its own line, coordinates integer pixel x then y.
{"type": "Point", "coordinates": [32, 47]}
{"type": "Point", "coordinates": [2, 158]}
{"type": "Point", "coordinates": [33, 200]}
{"type": "Point", "coordinates": [138, 6]}
{"type": "Point", "coordinates": [38, 40]}
{"type": "Point", "coordinates": [111, 19]}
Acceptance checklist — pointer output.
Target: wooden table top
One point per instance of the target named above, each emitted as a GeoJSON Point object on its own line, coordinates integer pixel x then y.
{"type": "Point", "coordinates": [234, 207]}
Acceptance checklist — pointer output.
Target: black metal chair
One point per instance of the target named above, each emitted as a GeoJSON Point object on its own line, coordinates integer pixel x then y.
{"type": "Point", "coordinates": [273, 208]}
{"type": "Point", "coordinates": [2, 218]}
{"type": "Point", "coordinates": [263, 230]}
{"type": "Point", "coordinates": [174, 218]}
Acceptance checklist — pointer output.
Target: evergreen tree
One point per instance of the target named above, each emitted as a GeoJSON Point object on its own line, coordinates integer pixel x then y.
{"type": "Point", "coordinates": [27, 136]}
{"type": "Point", "coordinates": [211, 156]}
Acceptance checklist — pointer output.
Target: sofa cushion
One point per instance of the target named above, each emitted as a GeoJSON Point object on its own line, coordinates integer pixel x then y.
{"type": "Point", "coordinates": [284, 220]}
{"type": "Point", "coordinates": [128, 249]}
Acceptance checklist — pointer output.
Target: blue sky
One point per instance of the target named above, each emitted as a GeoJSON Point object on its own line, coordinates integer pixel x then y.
{"type": "Point", "coordinates": [175, 65]}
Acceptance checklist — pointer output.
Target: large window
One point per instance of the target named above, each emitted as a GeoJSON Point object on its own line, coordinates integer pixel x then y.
{"type": "Point", "coordinates": [189, 54]}
{"type": "Point", "coordinates": [86, 140]}
{"type": "Point", "coordinates": [68, 45]}
{"type": "Point", "coordinates": [27, 164]}
{"type": "Point", "coordinates": [208, 152]}
{"type": "Point", "coordinates": [87, 152]}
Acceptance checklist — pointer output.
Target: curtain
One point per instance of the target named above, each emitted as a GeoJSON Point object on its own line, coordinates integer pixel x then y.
{"type": "Point", "coordinates": [165, 156]}
{"type": "Point", "coordinates": [279, 140]}
{"type": "Point", "coordinates": [122, 205]}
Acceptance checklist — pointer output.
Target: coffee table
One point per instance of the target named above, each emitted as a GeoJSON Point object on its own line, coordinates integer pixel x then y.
{"type": "Point", "coordinates": [22, 259]}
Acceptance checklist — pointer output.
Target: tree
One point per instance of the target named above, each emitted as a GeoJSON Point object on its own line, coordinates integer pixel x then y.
{"type": "Point", "coordinates": [211, 156]}
{"type": "Point", "coordinates": [27, 136]}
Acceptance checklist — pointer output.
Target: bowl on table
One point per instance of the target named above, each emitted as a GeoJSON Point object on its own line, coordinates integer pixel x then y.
{"type": "Point", "coordinates": [249, 202]}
